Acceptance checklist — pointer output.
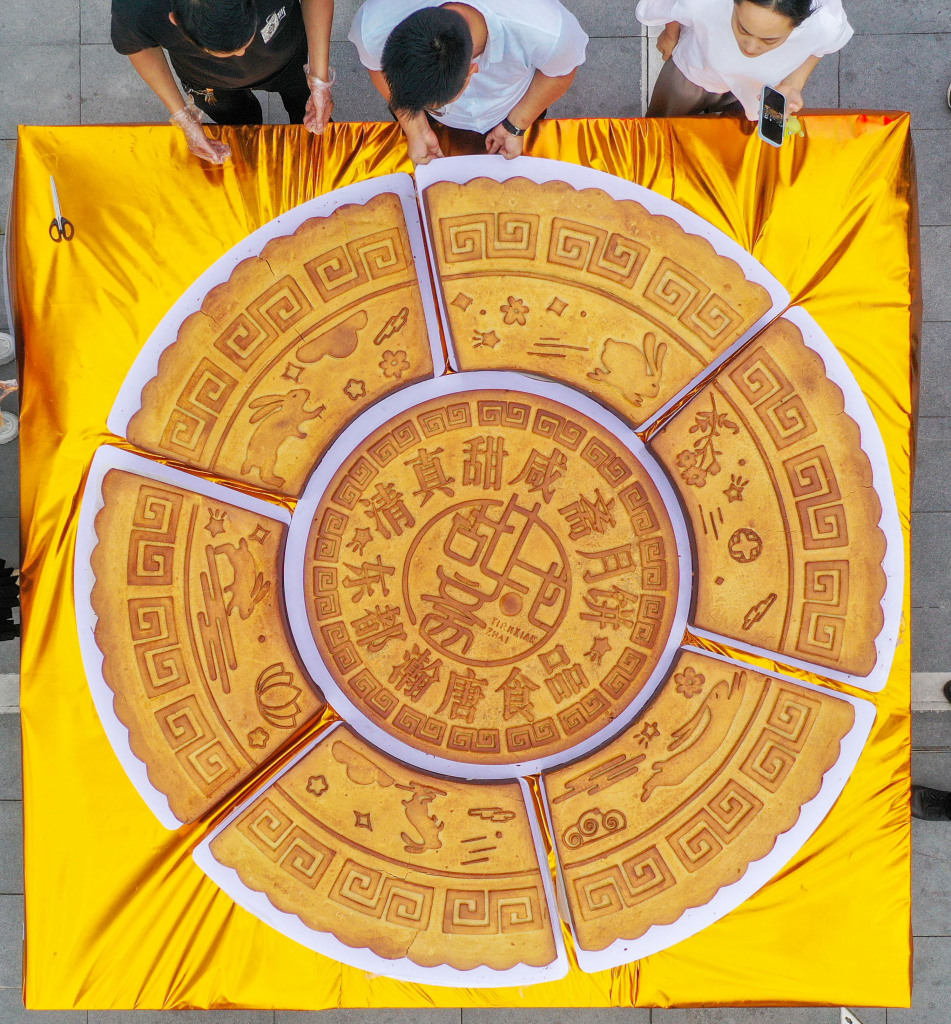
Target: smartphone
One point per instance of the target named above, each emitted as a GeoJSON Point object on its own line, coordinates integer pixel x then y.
{"type": "Point", "coordinates": [772, 116]}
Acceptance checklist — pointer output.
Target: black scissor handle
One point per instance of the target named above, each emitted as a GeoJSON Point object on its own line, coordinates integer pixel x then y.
{"type": "Point", "coordinates": [61, 230]}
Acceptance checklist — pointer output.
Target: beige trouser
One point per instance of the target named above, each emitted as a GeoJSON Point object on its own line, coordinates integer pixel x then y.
{"type": "Point", "coordinates": [676, 96]}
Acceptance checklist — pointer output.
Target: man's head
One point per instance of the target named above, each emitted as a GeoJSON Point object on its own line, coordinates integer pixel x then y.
{"type": "Point", "coordinates": [225, 28]}
{"type": "Point", "coordinates": [427, 60]}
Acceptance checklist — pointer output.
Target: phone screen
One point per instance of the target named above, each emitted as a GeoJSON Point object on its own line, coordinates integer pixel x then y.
{"type": "Point", "coordinates": [772, 116]}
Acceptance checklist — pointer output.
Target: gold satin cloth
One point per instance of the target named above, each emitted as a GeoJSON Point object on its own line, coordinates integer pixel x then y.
{"type": "Point", "coordinates": [117, 913]}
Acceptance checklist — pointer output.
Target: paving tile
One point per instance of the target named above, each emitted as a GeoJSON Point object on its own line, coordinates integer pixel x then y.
{"type": "Point", "coordinates": [12, 1012]}
{"type": "Point", "coordinates": [181, 1017]}
{"type": "Point", "coordinates": [822, 89]}
{"type": "Point", "coordinates": [408, 1016]}
{"type": "Point", "coordinates": [868, 79]}
{"type": "Point", "coordinates": [11, 847]}
{"type": "Point", "coordinates": [95, 19]}
{"type": "Point", "coordinates": [932, 768]}
{"type": "Point", "coordinates": [111, 90]}
{"type": "Point", "coordinates": [10, 541]}
{"type": "Point", "coordinates": [344, 10]}
{"type": "Point", "coordinates": [355, 96]}
{"type": "Point", "coordinates": [20, 24]}
{"type": "Point", "coordinates": [930, 562]}
{"type": "Point", "coordinates": [934, 396]}
{"type": "Point", "coordinates": [11, 941]}
{"type": "Point", "coordinates": [763, 1015]}
{"type": "Point", "coordinates": [598, 18]}
{"type": "Point", "coordinates": [930, 871]}
{"type": "Point", "coordinates": [608, 84]}
{"type": "Point", "coordinates": [9, 471]}
{"type": "Point", "coordinates": [931, 730]}
{"type": "Point", "coordinates": [933, 161]}
{"type": "Point", "coordinates": [877, 16]}
{"type": "Point", "coordinates": [10, 785]}
{"type": "Point", "coordinates": [8, 150]}
{"type": "Point", "coordinates": [38, 85]}
{"type": "Point", "coordinates": [936, 272]}
{"type": "Point", "coordinates": [562, 1016]}
{"type": "Point", "coordinates": [932, 491]}
{"type": "Point", "coordinates": [931, 995]}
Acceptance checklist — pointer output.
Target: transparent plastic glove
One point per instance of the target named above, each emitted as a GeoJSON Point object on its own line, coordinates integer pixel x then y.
{"type": "Point", "coordinates": [321, 103]}
{"type": "Point", "coordinates": [189, 120]}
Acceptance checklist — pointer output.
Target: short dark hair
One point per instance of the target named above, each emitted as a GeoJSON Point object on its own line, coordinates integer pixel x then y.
{"type": "Point", "coordinates": [795, 10]}
{"type": "Point", "coordinates": [219, 25]}
{"type": "Point", "coordinates": [426, 60]}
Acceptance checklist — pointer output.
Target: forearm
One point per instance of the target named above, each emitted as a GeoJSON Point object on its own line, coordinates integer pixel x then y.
{"type": "Point", "coordinates": [152, 67]}
{"type": "Point", "coordinates": [798, 78]}
{"type": "Point", "coordinates": [318, 18]}
{"type": "Point", "coordinates": [541, 94]}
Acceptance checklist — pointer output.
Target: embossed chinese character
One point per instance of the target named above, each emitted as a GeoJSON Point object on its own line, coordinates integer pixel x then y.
{"type": "Point", "coordinates": [567, 682]}
{"type": "Point", "coordinates": [368, 576]}
{"type": "Point", "coordinates": [615, 607]}
{"type": "Point", "coordinates": [416, 673]}
{"type": "Point", "coordinates": [378, 627]}
{"type": "Point", "coordinates": [464, 693]}
{"type": "Point", "coordinates": [388, 510]}
{"type": "Point", "coordinates": [430, 475]}
{"type": "Point", "coordinates": [516, 691]}
{"type": "Point", "coordinates": [614, 562]}
{"type": "Point", "coordinates": [453, 611]}
{"type": "Point", "coordinates": [542, 472]}
{"type": "Point", "coordinates": [584, 516]}
{"type": "Point", "coordinates": [482, 461]}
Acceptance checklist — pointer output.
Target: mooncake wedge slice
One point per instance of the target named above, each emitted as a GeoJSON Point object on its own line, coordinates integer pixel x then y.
{"type": "Point", "coordinates": [394, 870]}
{"type": "Point", "coordinates": [183, 633]}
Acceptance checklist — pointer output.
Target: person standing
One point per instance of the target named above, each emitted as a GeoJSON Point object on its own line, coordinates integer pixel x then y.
{"type": "Point", "coordinates": [489, 66]}
{"type": "Point", "coordinates": [221, 50]}
{"type": "Point", "coordinates": [720, 53]}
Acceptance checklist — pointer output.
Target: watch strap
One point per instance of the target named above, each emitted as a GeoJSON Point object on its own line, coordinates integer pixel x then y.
{"type": "Point", "coordinates": [511, 129]}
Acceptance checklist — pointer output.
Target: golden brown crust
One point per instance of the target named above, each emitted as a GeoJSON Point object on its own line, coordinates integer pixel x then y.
{"type": "Point", "coordinates": [491, 577]}
{"type": "Point", "coordinates": [698, 789]}
{"type": "Point", "coordinates": [579, 286]}
{"type": "Point", "coordinates": [772, 474]}
{"type": "Point", "coordinates": [396, 861]}
{"type": "Point", "coordinates": [289, 349]}
{"type": "Point", "coordinates": [189, 624]}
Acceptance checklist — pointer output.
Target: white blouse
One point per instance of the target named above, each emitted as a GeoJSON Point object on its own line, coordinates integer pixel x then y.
{"type": "Point", "coordinates": [709, 55]}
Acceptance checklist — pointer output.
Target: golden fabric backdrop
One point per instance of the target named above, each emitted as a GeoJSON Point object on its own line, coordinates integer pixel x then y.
{"type": "Point", "coordinates": [117, 913]}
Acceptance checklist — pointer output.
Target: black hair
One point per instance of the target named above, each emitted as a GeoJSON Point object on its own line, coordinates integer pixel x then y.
{"type": "Point", "coordinates": [222, 26]}
{"type": "Point", "coordinates": [795, 10]}
{"type": "Point", "coordinates": [426, 60]}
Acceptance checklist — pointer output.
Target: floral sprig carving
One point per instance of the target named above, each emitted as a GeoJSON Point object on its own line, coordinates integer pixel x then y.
{"type": "Point", "coordinates": [695, 466]}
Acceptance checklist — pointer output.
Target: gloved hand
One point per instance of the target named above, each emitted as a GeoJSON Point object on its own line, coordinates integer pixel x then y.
{"type": "Point", "coordinates": [321, 104]}
{"type": "Point", "coordinates": [189, 120]}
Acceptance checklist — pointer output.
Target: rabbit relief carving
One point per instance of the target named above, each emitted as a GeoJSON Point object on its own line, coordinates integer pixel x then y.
{"type": "Point", "coordinates": [635, 371]}
{"type": "Point", "coordinates": [279, 417]}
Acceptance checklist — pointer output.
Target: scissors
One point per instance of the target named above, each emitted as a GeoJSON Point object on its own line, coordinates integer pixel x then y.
{"type": "Point", "coordinates": [60, 227]}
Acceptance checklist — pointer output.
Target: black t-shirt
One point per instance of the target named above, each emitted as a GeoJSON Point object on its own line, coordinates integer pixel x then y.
{"type": "Point", "coordinates": [143, 24]}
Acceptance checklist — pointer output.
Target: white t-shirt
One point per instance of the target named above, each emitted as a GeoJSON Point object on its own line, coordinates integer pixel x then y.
{"type": "Point", "coordinates": [525, 36]}
{"type": "Point", "coordinates": [709, 55]}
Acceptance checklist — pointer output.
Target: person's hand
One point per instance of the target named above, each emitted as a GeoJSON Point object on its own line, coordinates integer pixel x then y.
{"type": "Point", "coordinates": [189, 120]}
{"type": "Point", "coordinates": [421, 141]}
{"type": "Point", "coordinates": [668, 39]}
{"type": "Point", "coordinates": [321, 103]}
{"type": "Point", "coordinates": [793, 98]}
{"type": "Point", "coordinates": [501, 141]}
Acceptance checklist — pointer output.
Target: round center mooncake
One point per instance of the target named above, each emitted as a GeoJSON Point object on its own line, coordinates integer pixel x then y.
{"type": "Point", "coordinates": [492, 577]}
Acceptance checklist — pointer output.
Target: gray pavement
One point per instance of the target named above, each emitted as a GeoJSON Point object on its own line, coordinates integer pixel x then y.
{"type": "Point", "coordinates": [57, 67]}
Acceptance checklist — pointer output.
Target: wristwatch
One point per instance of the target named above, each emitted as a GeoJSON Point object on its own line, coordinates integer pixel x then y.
{"type": "Point", "coordinates": [511, 129]}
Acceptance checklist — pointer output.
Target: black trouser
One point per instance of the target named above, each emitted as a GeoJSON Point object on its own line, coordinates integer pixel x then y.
{"type": "Point", "coordinates": [241, 106]}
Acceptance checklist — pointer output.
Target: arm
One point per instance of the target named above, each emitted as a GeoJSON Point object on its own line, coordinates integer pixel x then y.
{"type": "Point", "coordinates": [318, 18]}
{"type": "Point", "coordinates": [792, 85]}
{"type": "Point", "coordinates": [668, 39]}
{"type": "Point", "coordinates": [540, 95]}
{"type": "Point", "coordinates": [153, 69]}
{"type": "Point", "coordinates": [421, 141]}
